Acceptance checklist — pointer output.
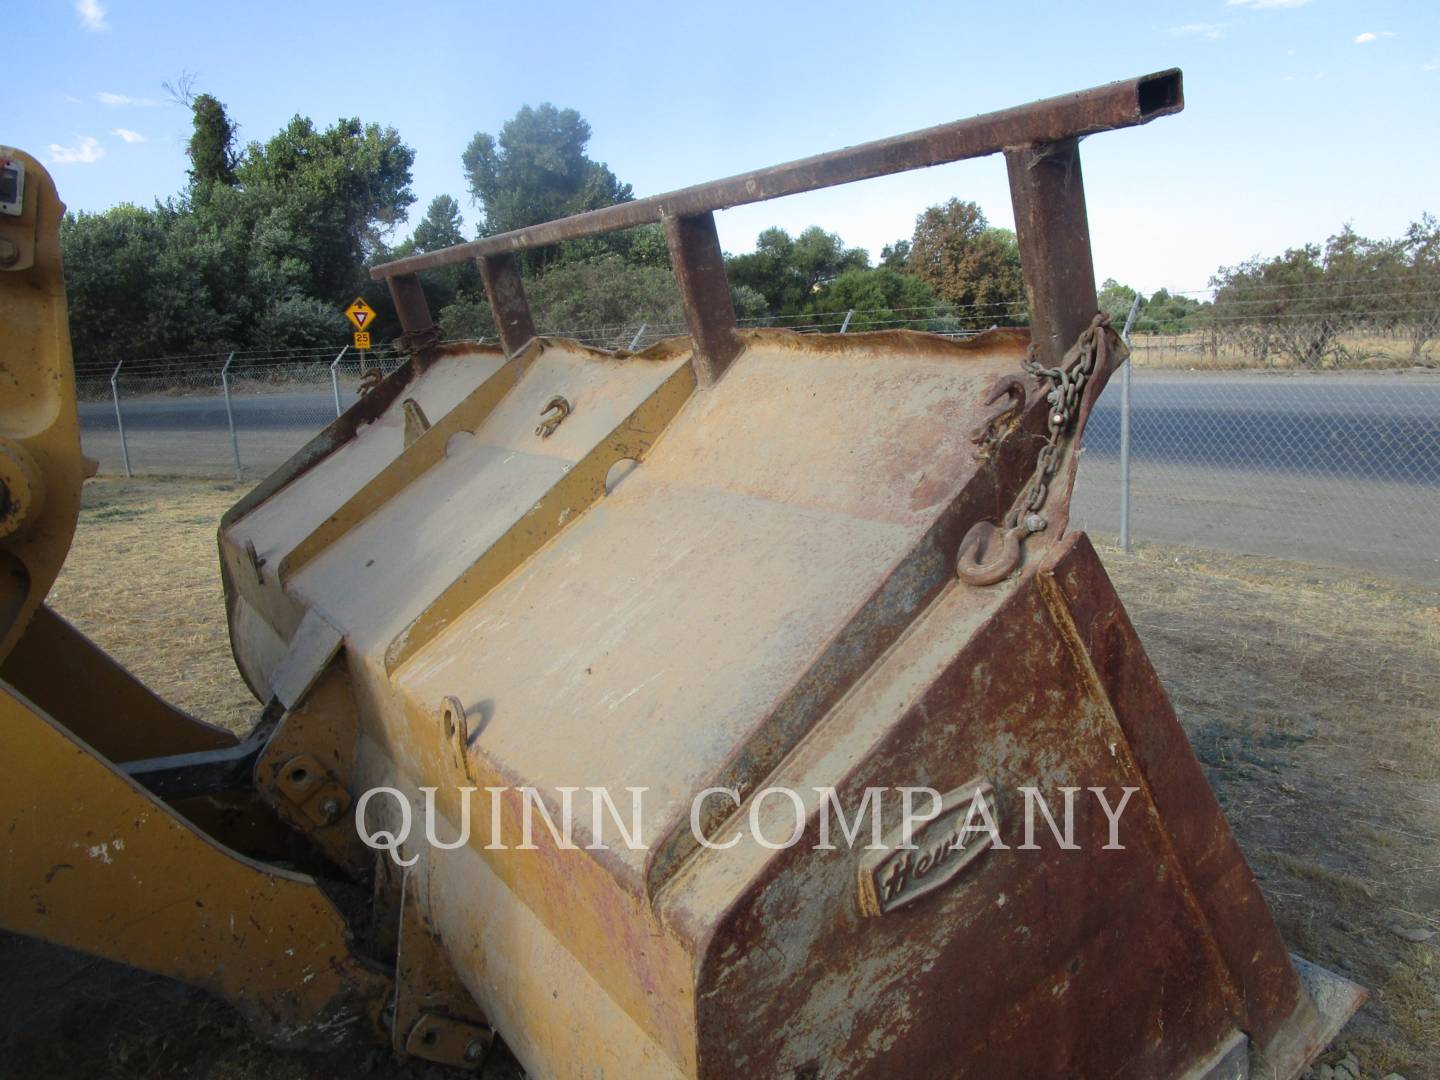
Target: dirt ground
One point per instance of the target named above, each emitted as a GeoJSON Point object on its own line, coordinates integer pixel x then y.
{"type": "Point", "coordinates": [1312, 696]}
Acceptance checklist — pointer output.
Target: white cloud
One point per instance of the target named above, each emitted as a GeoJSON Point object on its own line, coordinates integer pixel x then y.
{"type": "Point", "coordinates": [130, 136]}
{"type": "Point", "coordinates": [1369, 36]}
{"type": "Point", "coordinates": [1208, 31]}
{"type": "Point", "coordinates": [105, 97]}
{"type": "Point", "coordinates": [1261, 5]}
{"type": "Point", "coordinates": [86, 151]}
{"type": "Point", "coordinates": [92, 15]}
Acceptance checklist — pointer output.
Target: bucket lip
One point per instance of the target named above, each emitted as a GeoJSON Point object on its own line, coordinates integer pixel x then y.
{"type": "Point", "coordinates": [1326, 1003]}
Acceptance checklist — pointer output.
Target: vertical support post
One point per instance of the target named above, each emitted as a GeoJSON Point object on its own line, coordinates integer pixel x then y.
{"type": "Point", "coordinates": [704, 293]}
{"type": "Point", "coordinates": [846, 324]}
{"type": "Point", "coordinates": [335, 378]}
{"type": "Point", "coordinates": [1053, 232]}
{"type": "Point", "coordinates": [1125, 432]}
{"type": "Point", "coordinates": [120, 420]}
{"type": "Point", "coordinates": [638, 335]}
{"type": "Point", "coordinates": [413, 312]}
{"type": "Point", "coordinates": [230, 413]}
{"type": "Point", "coordinates": [506, 293]}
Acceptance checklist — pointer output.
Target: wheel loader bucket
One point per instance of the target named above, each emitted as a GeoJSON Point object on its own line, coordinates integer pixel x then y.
{"type": "Point", "coordinates": [738, 706]}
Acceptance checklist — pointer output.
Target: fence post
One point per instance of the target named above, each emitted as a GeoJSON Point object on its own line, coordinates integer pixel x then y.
{"type": "Point", "coordinates": [1125, 432]}
{"type": "Point", "coordinates": [638, 335]}
{"type": "Point", "coordinates": [119, 420]}
{"type": "Point", "coordinates": [335, 379]}
{"type": "Point", "coordinates": [230, 413]}
{"type": "Point", "coordinates": [846, 324]}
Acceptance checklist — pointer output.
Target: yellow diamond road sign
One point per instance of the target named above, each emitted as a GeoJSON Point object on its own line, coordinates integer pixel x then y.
{"type": "Point", "coordinates": [360, 314]}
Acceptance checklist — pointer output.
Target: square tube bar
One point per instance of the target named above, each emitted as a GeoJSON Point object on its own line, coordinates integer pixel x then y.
{"type": "Point", "coordinates": [1040, 144]}
{"type": "Point", "coordinates": [506, 293]}
{"type": "Point", "coordinates": [705, 294]}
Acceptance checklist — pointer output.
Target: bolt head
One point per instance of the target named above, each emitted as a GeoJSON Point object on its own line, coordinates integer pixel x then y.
{"type": "Point", "coordinates": [475, 1051]}
{"type": "Point", "coordinates": [330, 808]}
{"type": "Point", "coordinates": [9, 251]}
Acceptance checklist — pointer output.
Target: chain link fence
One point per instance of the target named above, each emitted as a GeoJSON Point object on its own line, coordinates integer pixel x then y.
{"type": "Point", "coordinates": [1334, 464]}
{"type": "Point", "coordinates": [234, 414]}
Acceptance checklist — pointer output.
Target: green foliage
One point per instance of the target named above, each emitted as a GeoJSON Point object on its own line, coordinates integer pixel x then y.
{"type": "Point", "coordinates": [1160, 313]}
{"type": "Point", "coordinates": [212, 145]}
{"type": "Point", "coordinates": [1293, 307]}
{"type": "Point", "coordinates": [1166, 313]}
{"type": "Point", "coordinates": [882, 299]}
{"type": "Point", "coordinates": [789, 272]}
{"type": "Point", "coordinates": [893, 256]}
{"type": "Point", "coordinates": [442, 227]}
{"type": "Point", "coordinates": [468, 318]}
{"type": "Point", "coordinates": [537, 170]}
{"type": "Point", "coordinates": [263, 250]}
{"type": "Point", "coordinates": [968, 264]}
{"type": "Point", "coordinates": [328, 197]}
{"type": "Point", "coordinates": [1114, 300]}
{"type": "Point", "coordinates": [1417, 267]}
{"type": "Point", "coordinates": [749, 305]}
{"type": "Point", "coordinates": [298, 322]}
{"type": "Point", "coordinates": [605, 292]}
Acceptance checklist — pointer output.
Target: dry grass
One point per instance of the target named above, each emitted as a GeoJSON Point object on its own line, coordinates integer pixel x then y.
{"type": "Point", "coordinates": [143, 580]}
{"type": "Point", "coordinates": [1360, 352]}
{"type": "Point", "coordinates": [1312, 696]}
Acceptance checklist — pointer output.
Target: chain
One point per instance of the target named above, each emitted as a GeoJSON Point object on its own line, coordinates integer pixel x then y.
{"type": "Point", "coordinates": [1066, 394]}
{"type": "Point", "coordinates": [1067, 390]}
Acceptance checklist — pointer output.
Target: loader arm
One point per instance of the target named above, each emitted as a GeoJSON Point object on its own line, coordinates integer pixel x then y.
{"type": "Point", "coordinates": [93, 860]}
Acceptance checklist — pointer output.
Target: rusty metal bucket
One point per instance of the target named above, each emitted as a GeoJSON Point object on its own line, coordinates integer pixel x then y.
{"type": "Point", "coordinates": [793, 628]}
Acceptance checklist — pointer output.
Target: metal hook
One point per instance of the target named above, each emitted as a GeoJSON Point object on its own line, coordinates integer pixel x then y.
{"type": "Point", "coordinates": [1007, 386]}
{"type": "Point", "coordinates": [1001, 557]}
{"type": "Point", "coordinates": [550, 423]}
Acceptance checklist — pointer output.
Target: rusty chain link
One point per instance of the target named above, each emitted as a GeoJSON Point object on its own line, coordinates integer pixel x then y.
{"type": "Point", "coordinates": [1067, 391]}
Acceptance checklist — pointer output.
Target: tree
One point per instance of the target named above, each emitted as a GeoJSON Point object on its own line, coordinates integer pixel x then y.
{"type": "Point", "coordinates": [537, 170]}
{"type": "Point", "coordinates": [267, 259]}
{"type": "Point", "coordinates": [1115, 300]}
{"type": "Point", "coordinates": [1294, 306]}
{"type": "Point", "coordinates": [604, 293]}
{"type": "Point", "coordinates": [443, 227]}
{"type": "Point", "coordinates": [1167, 313]}
{"type": "Point", "coordinates": [1419, 252]}
{"type": "Point", "coordinates": [212, 143]}
{"type": "Point", "coordinates": [882, 299]}
{"type": "Point", "coordinates": [327, 198]}
{"type": "Point", "coordinates": [968, 263]}
{"type": "Point", "coordinates": [893, 256]}
{"type": "Point", "coordinates": [788, 271]}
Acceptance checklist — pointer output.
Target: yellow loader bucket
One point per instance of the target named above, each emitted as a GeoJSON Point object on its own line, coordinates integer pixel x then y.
{"type": "Point", "coordinates": [737, 707]}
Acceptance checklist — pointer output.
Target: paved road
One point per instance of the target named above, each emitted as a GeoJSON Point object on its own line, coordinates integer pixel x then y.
{"type": "Point", "coordinates": [1368, 427]}
{"type": "Point", "coordinates": [1339, 468]}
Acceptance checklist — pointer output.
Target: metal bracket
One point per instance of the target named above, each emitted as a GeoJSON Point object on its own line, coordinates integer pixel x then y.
{"type": "Point", "coordinates": [313, 789]}
{"type": "Point", "coordinates": [434, 1016]}
{"type": "Point", "coordinates": [305, 770]}
{"type": "Point", "coordinates": [449, 1042]}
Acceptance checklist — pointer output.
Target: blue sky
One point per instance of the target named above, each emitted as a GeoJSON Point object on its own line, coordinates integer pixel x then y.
{"type": "Point", "coordinates": [1301, 115]}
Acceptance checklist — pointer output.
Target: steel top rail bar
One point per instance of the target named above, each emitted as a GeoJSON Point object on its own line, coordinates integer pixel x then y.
{"type": "Point", "coordinates": [1086, 112]}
